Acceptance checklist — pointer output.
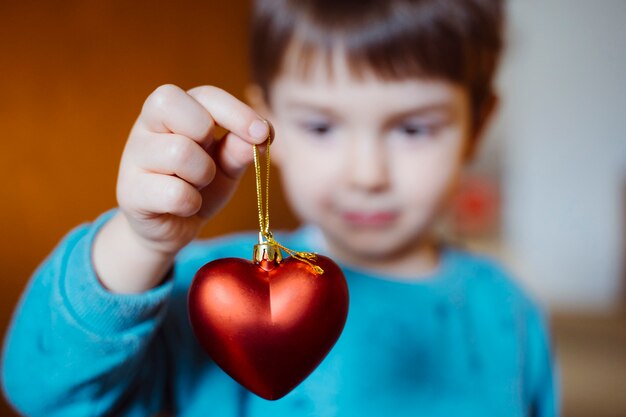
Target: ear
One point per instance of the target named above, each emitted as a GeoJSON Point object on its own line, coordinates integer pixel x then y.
{"type": "Point", "coordinates": [257, 100]}
{"type": "Point", "coordinates": [477, 133]}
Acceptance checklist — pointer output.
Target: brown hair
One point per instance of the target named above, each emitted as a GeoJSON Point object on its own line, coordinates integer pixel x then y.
{"type": "Point", "coordinates": [457, 40]}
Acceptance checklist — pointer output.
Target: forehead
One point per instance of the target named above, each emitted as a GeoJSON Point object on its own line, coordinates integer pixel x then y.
{"type": "Point", "coordinates": [326, 78]}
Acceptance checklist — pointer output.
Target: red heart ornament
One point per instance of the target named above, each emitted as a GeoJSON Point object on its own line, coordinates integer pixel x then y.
{"type": "Point", "coordinates": [268, 324]}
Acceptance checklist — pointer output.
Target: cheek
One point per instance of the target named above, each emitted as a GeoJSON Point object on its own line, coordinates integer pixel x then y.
{"type": "Point", "coordinates": [308, 174]}
{"type": "Point", "coordinates": [426, 176]}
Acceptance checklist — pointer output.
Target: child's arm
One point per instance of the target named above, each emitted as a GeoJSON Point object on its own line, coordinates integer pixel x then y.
{"type": "Point", "coordinates": [86, 338]}
{"type": "Point", "coordinates": [75, 349]}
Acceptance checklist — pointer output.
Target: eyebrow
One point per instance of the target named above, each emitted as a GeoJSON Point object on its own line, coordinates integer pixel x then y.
{"type": "Point", "coordinates": [413, 111]}
{"type": "Point", "coordinates": [441, 108]}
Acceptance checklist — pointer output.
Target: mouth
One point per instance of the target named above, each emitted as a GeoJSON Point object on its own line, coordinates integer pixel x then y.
{"type": "Point", "coordinates": [369, 219]}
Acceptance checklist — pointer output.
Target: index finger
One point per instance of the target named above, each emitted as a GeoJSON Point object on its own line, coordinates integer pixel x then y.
{"type": "Point", "coordinates": [232, 114]}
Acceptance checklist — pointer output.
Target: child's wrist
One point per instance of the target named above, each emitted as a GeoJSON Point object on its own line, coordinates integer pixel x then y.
{"type": "Point", "coordinates": [123, 263]}
{"type": "Point", "coordinates": [165, 251]}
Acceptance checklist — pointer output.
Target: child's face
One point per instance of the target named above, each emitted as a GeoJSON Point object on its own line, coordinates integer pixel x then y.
{"type": "Point", "coordinates": [370, 162]}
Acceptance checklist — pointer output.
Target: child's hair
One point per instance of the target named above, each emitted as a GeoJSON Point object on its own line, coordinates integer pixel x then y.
{"type": "Point", "coordinates": [455, 40]}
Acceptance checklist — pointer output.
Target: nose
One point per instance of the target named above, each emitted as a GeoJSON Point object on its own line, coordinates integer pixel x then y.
{"type": "Point", "coordinates": [367, 165]}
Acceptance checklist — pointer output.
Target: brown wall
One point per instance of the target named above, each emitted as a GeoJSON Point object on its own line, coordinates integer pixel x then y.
{"type": "Point", "coordinates": [73, 77]}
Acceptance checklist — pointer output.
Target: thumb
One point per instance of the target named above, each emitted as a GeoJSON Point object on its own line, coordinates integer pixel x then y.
{"type": "Point", "coordinates": [234, 154]}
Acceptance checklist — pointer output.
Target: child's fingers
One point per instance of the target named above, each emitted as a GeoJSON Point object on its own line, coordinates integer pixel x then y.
{"type": "Point", "coordinates": [171, 109]}
{"type": "Point", "coordinates": [232, 114]}
{"type": "Point", "coordinates": [175, 155]}
{"type": "Point", "coordinates": [160, 194]}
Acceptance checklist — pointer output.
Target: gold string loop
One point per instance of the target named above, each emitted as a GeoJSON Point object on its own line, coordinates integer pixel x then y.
{"type": "Point", "coordinates": [264, 210]}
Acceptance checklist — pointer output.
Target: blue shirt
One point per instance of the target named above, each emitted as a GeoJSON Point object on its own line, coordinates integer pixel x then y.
{"type": "Point", "coordinates": [465, 341]}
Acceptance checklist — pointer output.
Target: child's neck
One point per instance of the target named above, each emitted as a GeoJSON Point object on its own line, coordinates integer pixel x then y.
{"type": "Point", "coordinates": [416, 261]}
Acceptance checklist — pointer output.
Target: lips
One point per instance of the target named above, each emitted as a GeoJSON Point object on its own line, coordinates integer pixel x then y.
{"type": "Point", "coordinates": [369, 219]}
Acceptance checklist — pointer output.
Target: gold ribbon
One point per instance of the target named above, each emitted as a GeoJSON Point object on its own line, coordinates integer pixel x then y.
{"type": "Point", "coordinates": [264, 209]}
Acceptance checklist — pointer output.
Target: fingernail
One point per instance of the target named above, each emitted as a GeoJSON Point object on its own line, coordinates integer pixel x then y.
{"type": "Point", "coordinates": [259, 129]}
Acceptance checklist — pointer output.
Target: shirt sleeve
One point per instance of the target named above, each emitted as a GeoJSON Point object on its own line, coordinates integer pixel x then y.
{"type": "Point", "coordinates": [542, 385]}
{"type": "Point", "coordinates": [75, 349]}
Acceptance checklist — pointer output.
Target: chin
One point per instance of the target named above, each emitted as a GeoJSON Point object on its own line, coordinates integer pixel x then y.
{"type": "Point", "coordinates": [378, 245]}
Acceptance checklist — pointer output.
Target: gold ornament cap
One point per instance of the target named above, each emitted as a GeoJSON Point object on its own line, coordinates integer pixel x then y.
{"type": "Point", "coordinates": [265, 251]}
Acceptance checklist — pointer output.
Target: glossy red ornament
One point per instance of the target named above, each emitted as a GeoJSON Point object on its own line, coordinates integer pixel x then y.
{"type": "Point", "coordinates": [268, 324]}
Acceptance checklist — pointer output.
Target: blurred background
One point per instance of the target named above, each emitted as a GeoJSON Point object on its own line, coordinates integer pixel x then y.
{"type": "Point", "coordinates": [547, 194]}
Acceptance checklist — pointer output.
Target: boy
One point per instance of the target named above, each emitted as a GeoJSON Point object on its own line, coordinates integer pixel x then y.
{"type": "Point", "coordinates": [377, 105]}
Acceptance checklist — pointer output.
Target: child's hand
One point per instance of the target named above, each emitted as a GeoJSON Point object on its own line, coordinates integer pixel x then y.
{"type": "Point", "coordinates": [174, 176]}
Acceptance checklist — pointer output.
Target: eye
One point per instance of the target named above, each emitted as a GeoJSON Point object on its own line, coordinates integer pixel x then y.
{"type": "Point", "coordinates": [317, 128]}
{"type": "Point", "coordinates": [416, 130]}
